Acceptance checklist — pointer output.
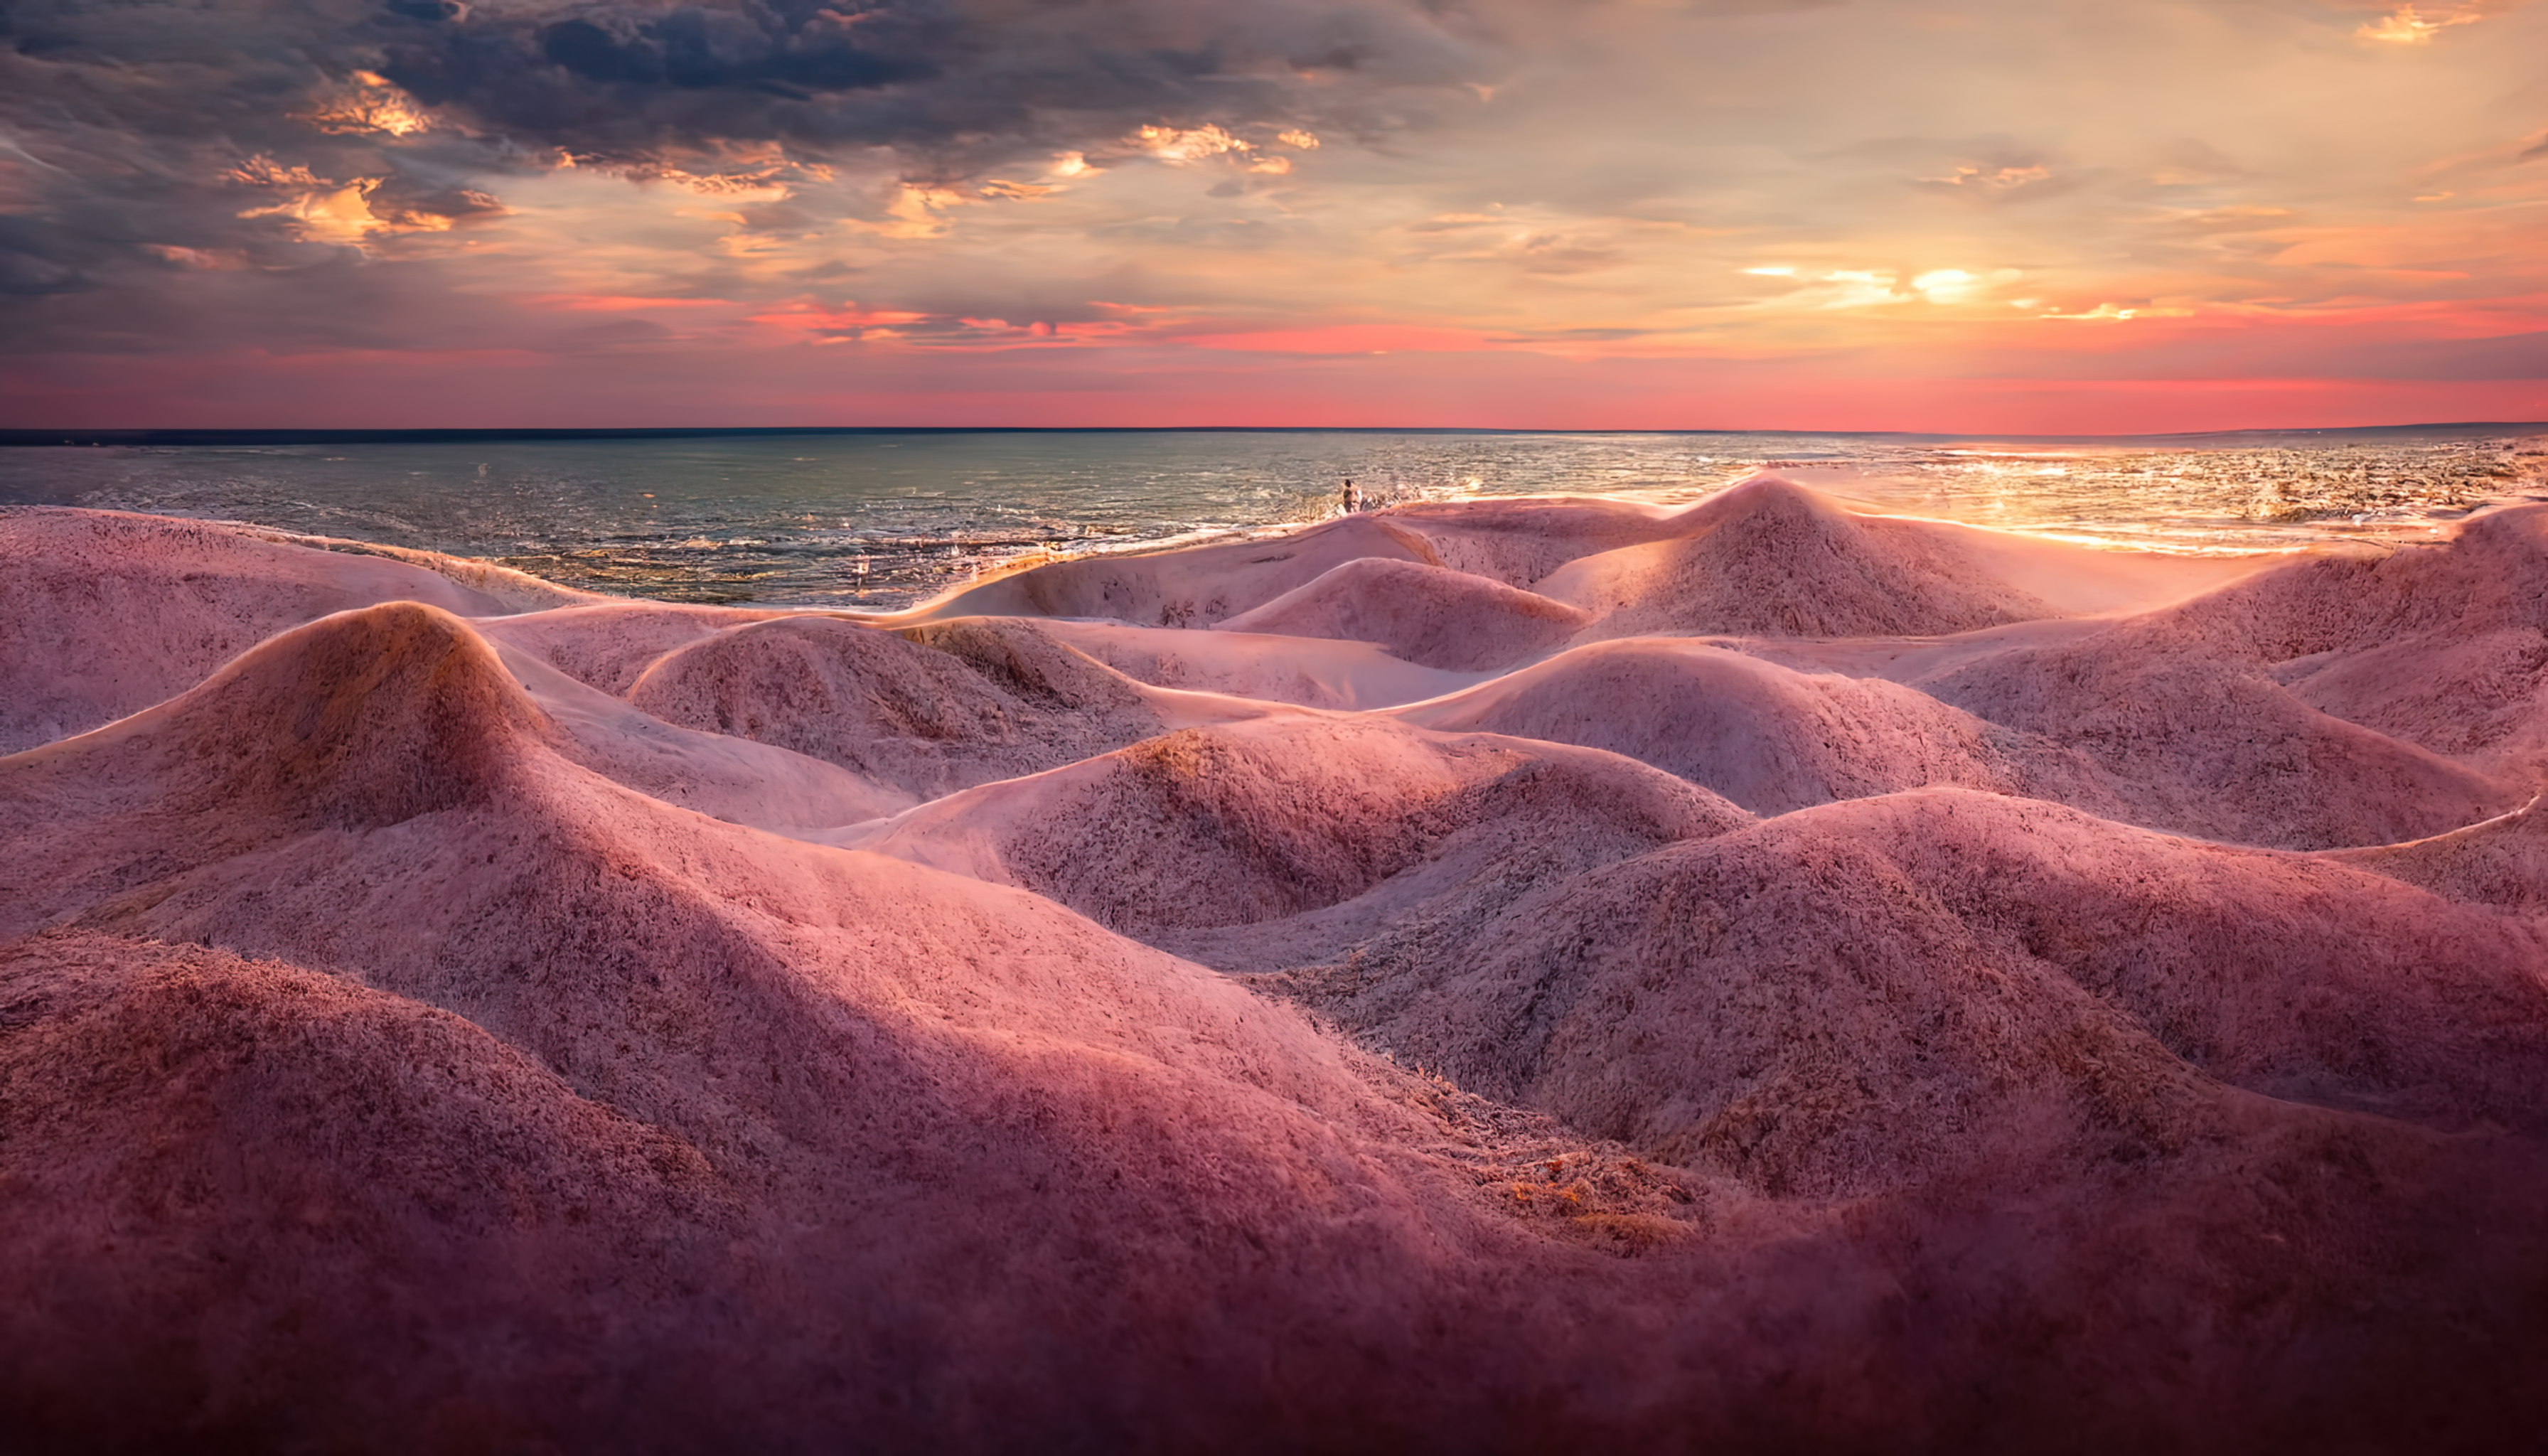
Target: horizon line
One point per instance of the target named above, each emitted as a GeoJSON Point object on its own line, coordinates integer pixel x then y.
{"type": "Point", "coordinates": [149, 437]}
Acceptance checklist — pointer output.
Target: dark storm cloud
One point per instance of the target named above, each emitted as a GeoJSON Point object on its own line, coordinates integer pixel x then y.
{"type": "Point", "coordinates": [124, 130]}
{"type": "Point", "coordinates": [949, 79]}
{"type": "Point", "coordinates": [623, 80]}
{"type": "Point", "coordinates": [124, 127]}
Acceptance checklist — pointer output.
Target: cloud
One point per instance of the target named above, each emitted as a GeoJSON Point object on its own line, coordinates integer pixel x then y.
{"type": "Point", "coordinates": [280, 178]}
{"type": "Point", "coordinates": [268, 135]}
{"type": "Point", "coordinates": [960, 83]}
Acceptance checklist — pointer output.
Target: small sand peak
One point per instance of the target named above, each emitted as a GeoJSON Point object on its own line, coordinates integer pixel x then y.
{"type": "Point", "coordinates": [1768, 557]}
{"type": "Point", "coordinates": [991, 704]}
{"type": "Point", "coordinates": [1431, 615]}
{"type": "Point", "coordinates": [363, 717]}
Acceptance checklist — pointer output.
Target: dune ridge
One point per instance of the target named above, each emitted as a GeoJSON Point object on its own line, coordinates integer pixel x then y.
{"type": "Point", "coordinates": [1494, 976]}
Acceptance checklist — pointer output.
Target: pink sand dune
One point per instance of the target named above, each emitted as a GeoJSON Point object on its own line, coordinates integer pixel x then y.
{"type": "Point", "coordinates": [1770, 738]}
{"type": "Point", "coordinates": [610, 644]}
{"type": "Point", "coordinates": [1192, 587]}
{"type": "Point", "coordinates": [1427, 615]}
{"type": "Point", "coordinates": [918, 717]}
{"type": "Point", "coordinates": [2213, 744]}
{"type": "Point", "coordinates": [104, 613]}
{"type": "Point", "coordinates": [1542, 975]}
{"type": "Point", "coordinates": [1521, 541]}
{"type": "Point", "coordinates": [1306, 671]}
{"type": "Point", "coordinates": [1772, 557]}
{"type": "Point", "coordinates": [1260, 821]}
{"type": "Point", "coordinates": [2499, 861]}
{"type": "Point", "coordinates": [1866, 992]}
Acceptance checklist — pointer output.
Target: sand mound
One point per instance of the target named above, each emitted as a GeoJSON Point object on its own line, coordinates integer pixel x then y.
{"type": "Point", "coordinates": [1767, 737]}
{"type": "Point", "coordinates": [2441, 645]}
{"type": "Point", "coordinates": [1306, 671]}
{"type": "Point", "coordinates": [103, 614]}
{"type": "Point", "coordinates": [2501, 861]}
{"type": "Point", "coordinates": [908, 715]}
{"type": "Point", "coordinates": [2490, 573]}
{"type": "Point", "coordinates": [724, 777]}
{"type": "Point", "coordinates": [608, 646]}
{"type": "Point", "coordinates": [360, 720]}
{"type": "Point", "coordinates": [1027, 663]}
{"type": "Point", "coordinates": [1519, 541]}
{"type": "Point", "coordinates": [1261, 821]}
{"type": "Point", "coordinates": [237, 1185]}
{"type": "Point", "coordinates": [1191, 587]}
{"type": "Point", "coordinates": [2481, 697]}
{"type": "Point", "coordinates": [2205, 743]}
{"type": "Point", "coordinates": [1854, 995]}
{"type": "Point", "coordinates": [356, 721]}
{"type": "Point", "coordinates": [1427, 614]}
{"type": "Point", "coordinates": [1768, 557]}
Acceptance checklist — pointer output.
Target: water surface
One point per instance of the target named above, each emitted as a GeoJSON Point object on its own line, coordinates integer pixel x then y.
{"type": "Point", "coordinates": [881, 520]}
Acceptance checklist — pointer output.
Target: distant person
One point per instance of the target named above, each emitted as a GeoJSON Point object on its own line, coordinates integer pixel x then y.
{"type": "Point", "coordinates": [1353, 498]}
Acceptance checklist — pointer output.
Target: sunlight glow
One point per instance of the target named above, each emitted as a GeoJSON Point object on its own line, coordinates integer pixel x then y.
{"type": "Point", "coordinates": [1170, 144]}
{"type": "Point", "coordinates": [1947, 285]}
{"type": "Point", "coordinates": [2408, 27]}
{"type": "Point", "coordinates": [370, 104]}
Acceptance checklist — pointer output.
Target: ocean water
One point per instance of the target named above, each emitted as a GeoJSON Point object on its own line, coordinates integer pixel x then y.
{"type": "Point", "coordinates": [882, 520]}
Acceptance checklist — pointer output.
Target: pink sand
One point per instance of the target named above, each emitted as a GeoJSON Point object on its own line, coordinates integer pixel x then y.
{"type": "Point", "coordinates": [1517, 975]}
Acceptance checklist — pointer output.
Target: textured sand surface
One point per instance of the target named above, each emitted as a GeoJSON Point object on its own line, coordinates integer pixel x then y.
{"type": "Point", "coordinates": [1515, 975]}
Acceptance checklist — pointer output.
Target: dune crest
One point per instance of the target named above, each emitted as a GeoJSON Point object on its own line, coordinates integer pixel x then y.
{"type": "Point", "coordinates": [1427, 614]}
{"type": "Point", "coordinates": [918, 718]}
{"type": "Point", "coordinates": [1767, 737]}
{"type": "Point", "coordinates": [1263, 821]}
{"type": "Point", "coordinates": [1771, 557]}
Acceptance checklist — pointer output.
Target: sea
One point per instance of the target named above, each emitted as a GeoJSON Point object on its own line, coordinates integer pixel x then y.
{"type": "Point", "coordinates": [882, 519]}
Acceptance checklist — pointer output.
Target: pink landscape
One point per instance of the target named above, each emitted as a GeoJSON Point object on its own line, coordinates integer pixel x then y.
{"type": "Point", "coordinates": [1516, 974]}
{"type": "Point", "coordinates": [1902, 814]}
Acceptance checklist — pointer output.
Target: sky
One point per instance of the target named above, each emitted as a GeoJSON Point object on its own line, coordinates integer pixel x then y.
{"type": "Point", "coordinates": [2003, 216]}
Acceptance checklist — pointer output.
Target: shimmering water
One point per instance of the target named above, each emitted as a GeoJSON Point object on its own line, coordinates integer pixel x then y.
{"type": "Point", "coordinates": [880, 520]}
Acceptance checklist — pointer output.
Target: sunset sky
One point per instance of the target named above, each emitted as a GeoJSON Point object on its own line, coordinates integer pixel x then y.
{"type": "Point", "coordinates": [2011, 216]}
